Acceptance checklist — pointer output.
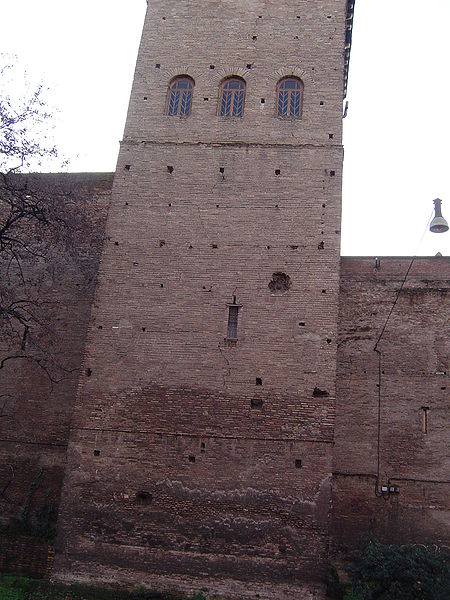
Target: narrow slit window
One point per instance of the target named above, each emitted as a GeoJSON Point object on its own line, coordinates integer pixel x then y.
{"type": "Point", "coordinates": [425, 411]}
{"type": "Point", "coordinates": [290, 97]}
{"type": "Point", "coordinates": [232, 96]}
{"type": "Point", "coordinates": [180, 97]}
{"type": "Point", "coordinates": [233, 314]}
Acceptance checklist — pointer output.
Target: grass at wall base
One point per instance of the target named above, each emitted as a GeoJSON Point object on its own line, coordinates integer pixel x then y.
{"type": "Point", "coordinates": [16, 587]}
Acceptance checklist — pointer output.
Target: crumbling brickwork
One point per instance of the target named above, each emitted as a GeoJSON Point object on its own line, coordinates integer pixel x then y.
{"type": "Point", "coordinates": [196, 460]}
{"type": "Point", "coordinates": [399, 398]}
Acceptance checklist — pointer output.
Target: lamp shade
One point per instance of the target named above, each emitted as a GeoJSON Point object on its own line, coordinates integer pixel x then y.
{"type": "Point", "coordinates": [438, 224]}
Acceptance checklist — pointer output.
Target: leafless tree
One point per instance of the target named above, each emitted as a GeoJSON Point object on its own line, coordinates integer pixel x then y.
{"type": "Point", "coordinates": [34, 221]}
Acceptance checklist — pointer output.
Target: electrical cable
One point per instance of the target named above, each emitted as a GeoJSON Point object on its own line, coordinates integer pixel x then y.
{"type": "Point", "coordinates": [403, 282]}
{"type": "Point", "coordinates": [377, 492]}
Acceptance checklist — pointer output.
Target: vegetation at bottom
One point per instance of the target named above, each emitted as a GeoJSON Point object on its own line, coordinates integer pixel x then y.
{"type": "Point", "coordinates": [22, 588]}
{"type": "Point", "coordinates": [388, 572]}
{"type": "Point", "coordinates": [377, 572]}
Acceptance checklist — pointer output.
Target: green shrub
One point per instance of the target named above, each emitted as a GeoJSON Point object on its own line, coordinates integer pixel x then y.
{"type": "Point", "coordinates": [352, 596]}
{"type": "Point", "coordinates": [335, 588]}
{"type": "Point", "coordinates": [410, 572]}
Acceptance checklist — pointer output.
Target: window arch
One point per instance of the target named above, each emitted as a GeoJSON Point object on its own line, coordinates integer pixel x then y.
{"type": "Point", "coordinates": [232, 96]}
{"type": "Point", "coordinates": [179, 100]}
{"type": "Point", "coordinates": [290, 97]}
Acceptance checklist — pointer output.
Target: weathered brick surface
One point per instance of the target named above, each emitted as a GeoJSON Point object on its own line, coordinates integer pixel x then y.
{"type": "Point", "coordinates": [142, 495]}
{"type": "Point", "coordinates": [22, 554]}
{"type": "Point", "coordinates": [35, 412]}
{"type": "Point", "coordinates": [182, 472]}
{"type": "Point", "coordinates": [414, 374]}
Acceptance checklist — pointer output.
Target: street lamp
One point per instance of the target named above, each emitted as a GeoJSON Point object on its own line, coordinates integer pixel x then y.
{"type": "Point", "coordinates": [438, 224]}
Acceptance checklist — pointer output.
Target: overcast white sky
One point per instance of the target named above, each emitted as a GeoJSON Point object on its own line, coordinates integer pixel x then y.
{"type": "Point", "coordinates": [395, 136]}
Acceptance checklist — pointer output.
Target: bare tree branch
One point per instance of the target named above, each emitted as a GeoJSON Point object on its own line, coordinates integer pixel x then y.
{"type": "Point", "coordinates": [34, 222]}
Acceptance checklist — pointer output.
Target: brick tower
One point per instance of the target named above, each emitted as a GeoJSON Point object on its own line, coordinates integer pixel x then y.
{"type": "Point", "coordinates": [201, 442]}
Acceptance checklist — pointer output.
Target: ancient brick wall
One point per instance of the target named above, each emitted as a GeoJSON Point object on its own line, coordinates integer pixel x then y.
{"type": "Point", "coordinates": [26, 555]}
{"type": "Point", "coordinates": [38, 389]}
{"type": "Point", "coordinates": [195, 460]}
{"type": "Point", "coordinates": [413, 373]}
{"type": "Point", "coordinates": [202, 462]}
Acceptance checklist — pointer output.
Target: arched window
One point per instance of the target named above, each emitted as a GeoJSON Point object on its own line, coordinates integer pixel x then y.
{"type": "Point", "coordinates": [232, 95]}
{"type": "Point", "coordinates": [180, 97]}
{"type": "Point", "coordinates": [290, 97]}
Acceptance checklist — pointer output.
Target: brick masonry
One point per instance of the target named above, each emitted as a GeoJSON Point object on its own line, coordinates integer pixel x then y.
{"type": "Point", "coordinates": [35, 412]}
{"type": "Point", "coordinates": [414, 374]}
{"type": "Point", "coordinates": [198, 462]}
{"type": "Point", "coordinates": [186, 471]}
{"type": "Point", "coordinates": [25, 555]}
